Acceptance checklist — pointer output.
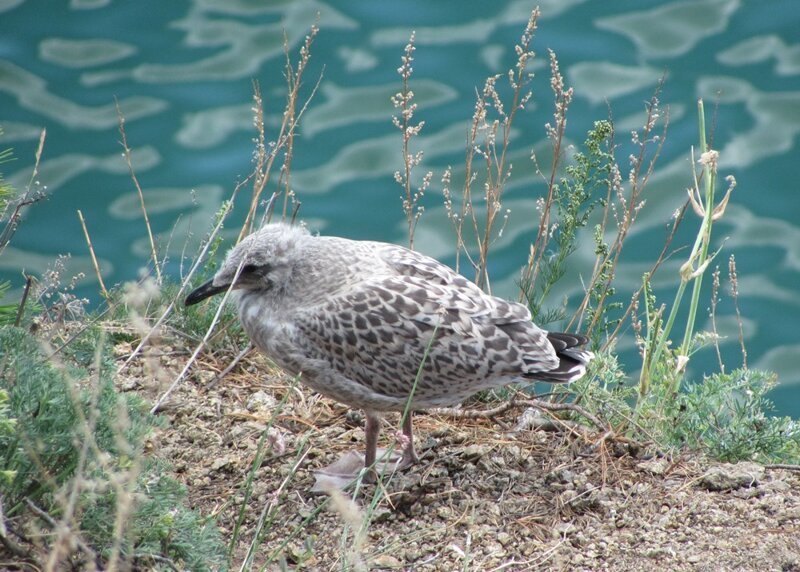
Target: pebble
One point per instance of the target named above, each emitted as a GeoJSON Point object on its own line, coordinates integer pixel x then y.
{"type": "Point", "coordinates": [729, 476]}
{"type": "Point", "coordinates": [261, 401]}
{"type": "Point", "coordinates": [386, 561]}
{"type": "Point", "coordinates": [475, 451]}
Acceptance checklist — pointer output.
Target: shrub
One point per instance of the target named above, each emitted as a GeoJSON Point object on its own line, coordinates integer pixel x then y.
{"type": "Point", "coordinates": [72, 447]}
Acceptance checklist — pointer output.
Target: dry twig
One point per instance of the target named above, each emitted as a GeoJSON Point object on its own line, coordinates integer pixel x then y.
{"type": "Point", "coordinates": [103, 290]}
{"type": "Point", "coordinates": [126, 151]}
{"type": "Point", "coordinates": [515, 403]}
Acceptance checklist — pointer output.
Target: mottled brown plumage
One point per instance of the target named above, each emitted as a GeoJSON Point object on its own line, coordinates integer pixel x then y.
{"type": "Point", "coordinates": [357, 319]}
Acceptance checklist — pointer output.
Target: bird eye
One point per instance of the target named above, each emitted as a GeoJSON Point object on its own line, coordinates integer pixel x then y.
{"type": "Point", "coordinates": [249, 269]}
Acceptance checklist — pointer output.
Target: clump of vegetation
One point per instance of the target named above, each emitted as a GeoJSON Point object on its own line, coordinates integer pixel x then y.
{"type": "Point", "coordinates": [718, 414]}
{"type": "Point", "coordinates": [590, 197]}
{"type": "Point", "coordinates": [74, 461]}
{"type": "Point", "coordinates": [76, 488]}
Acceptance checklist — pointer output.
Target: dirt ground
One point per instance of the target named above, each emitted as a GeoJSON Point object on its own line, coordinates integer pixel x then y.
{"type": "Point", "coordinates": [483, 498]}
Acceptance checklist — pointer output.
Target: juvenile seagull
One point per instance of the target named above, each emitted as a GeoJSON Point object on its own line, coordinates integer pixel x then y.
{"type": "Point", "coordinates": [362, 320]}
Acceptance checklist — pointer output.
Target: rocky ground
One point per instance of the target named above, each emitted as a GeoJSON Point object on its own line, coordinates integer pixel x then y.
{"type": "Point", "coordinates": [483, 498]}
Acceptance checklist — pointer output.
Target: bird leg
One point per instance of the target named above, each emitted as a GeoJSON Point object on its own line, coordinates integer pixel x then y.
{"type": "Point", "coordinates": [372, 430]}
{"type": "Point", "coordinates": [409, 454]}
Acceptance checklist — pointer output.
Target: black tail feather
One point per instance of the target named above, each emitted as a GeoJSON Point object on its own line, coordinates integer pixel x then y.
{"type": "Point", "coordinates": [572, 359]}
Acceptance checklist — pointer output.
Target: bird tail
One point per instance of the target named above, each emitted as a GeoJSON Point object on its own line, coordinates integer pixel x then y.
{"type": "Point", "coordinates": [572, 359]}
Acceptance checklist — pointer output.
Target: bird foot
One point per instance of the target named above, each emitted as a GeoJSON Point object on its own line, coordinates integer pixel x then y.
{"type": "Point", "coordinates": [346, 469]}
{"type": "Point", "coordinates": [406, 445]}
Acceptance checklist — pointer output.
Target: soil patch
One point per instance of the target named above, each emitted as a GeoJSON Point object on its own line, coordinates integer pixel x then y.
{"type": "Point", "coordinates": [483, 497]}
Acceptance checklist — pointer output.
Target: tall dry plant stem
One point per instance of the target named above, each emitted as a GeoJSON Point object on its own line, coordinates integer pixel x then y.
{"type": "Point", "coordinates": [267, 152]}
{"type": "Point", "coordinates": [623, 203]}
{"type": "Point", "coordinates": [103, 289]}
{"type": "Point", "coordinates": [734, 281]}
{"type": "Point", "coordinates": [29, 197]}
{"type": "Point", "coordinates": [555, 132]}
{"type": "Point", "coordinates": [404, 101]}
{"type": "Point", "coordinates": [489, 140]}
{"type": "Point", "coordinates": [265, 155]}
{"type": "Point", "coordinates": [126, 152]}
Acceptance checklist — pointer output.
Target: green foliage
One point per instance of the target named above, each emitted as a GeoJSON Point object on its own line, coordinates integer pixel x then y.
{"type": "Point", "coordinates": [159, 525]}
{"type": "Point", "coordinates": [49, 404]}
{"type": "Point", "coordinates": [6, 191]}
{"type": "Point", "coordinates": [212, 260]}
{"type": "Point", "coordinates": [7, 428]}
{"type": "Point", "coordinates": [64, 427]}
{"type": "Point", "coordinates": [727, 416]}
{"type": "Point", "coordinates": [604, 391]}
{"type": "Point", "coordinates": [574, 203]}
{"type": "Point", "coordinates": [8, 312]}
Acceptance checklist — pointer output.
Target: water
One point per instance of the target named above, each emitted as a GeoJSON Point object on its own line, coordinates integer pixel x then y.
{"type": "Point", "coordinates": [182, 75]}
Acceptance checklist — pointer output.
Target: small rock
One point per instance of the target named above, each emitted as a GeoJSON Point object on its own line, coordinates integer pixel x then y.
{"type": "Point", "coordinates": [504, 538]}
{"type": "Point", "coordinates": [563, 529]}
{"type": "Point", "coordinates": [475, 451]}
{"type": "Point", "coordinates": [515, 453]}
{"type": "Point", "coordinates": [654, 466]}
{"type": "Point", "coordinates": [660, 553]}
{"type": "Point", "coordinates": [563, 476]}
{"type": "Point", "coordinates": [792, 513]}
{"type": "Point", "coordinates": [568, 496]}
{"type": "Point", "coordinates": [728, 476]}
{"type": "Point", "coordinates": [261, 400]}
{"type": "Point", "coordinates": [386, 561]}
{"type": "Point", "coordinates": [777, 487]}
{"type": "Point", "coordinates": [220, 463]}
{"type": "Point", "coordinates": [382, 514]}
{"type": "Point", "coordinates": [129, 383]}
{"type": "Point", "coordinates": [748, 493]}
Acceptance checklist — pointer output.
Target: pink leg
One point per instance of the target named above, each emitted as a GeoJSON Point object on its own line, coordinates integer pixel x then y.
{"type": "Point", "coordinates": [372, 430]}
{"type": "Point", "coordinates": [409, 454]}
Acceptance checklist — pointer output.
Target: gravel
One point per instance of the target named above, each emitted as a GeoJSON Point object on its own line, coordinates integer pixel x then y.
{"type": "Point", "coordinates": [481, 499]}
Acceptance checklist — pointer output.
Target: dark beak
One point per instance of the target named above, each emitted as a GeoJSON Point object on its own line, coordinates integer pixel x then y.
{"type": "Point", "coordinates": [204, 291]}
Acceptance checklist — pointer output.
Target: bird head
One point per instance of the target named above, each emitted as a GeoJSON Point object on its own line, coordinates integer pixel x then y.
{"type": "Point", "coordinates": [261, 261]}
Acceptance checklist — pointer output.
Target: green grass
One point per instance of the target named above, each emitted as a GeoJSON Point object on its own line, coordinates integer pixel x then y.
{"type": "Point", "coordinates": [48, 404]}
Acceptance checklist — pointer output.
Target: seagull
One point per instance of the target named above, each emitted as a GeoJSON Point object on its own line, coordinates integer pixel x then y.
{"type": "Point", "coordinates": [382, 328]}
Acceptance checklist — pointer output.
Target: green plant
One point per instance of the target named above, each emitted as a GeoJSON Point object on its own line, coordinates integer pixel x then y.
{"type": "Point", "coordinates": [694, 268]}
{"type": "Point", "coordinates": [7, 311]}
{"type": "Point", "coordinates": [728, 416]}
{"type": "Point", "coordinates": [160, 525]}
{"type": "Point", "coordinates": [574, 199]}
{"type": "Point", "coordinates": [73, 449]}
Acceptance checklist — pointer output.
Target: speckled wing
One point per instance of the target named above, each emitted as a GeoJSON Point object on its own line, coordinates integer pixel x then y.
{"type": "Point", "coordinates": [473, 300]}
{"type": "Point", "coordinates": [377, 334]}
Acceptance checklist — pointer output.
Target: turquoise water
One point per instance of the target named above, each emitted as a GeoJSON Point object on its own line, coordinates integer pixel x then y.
{"type": "Point", "coordinates": [182, 73]}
